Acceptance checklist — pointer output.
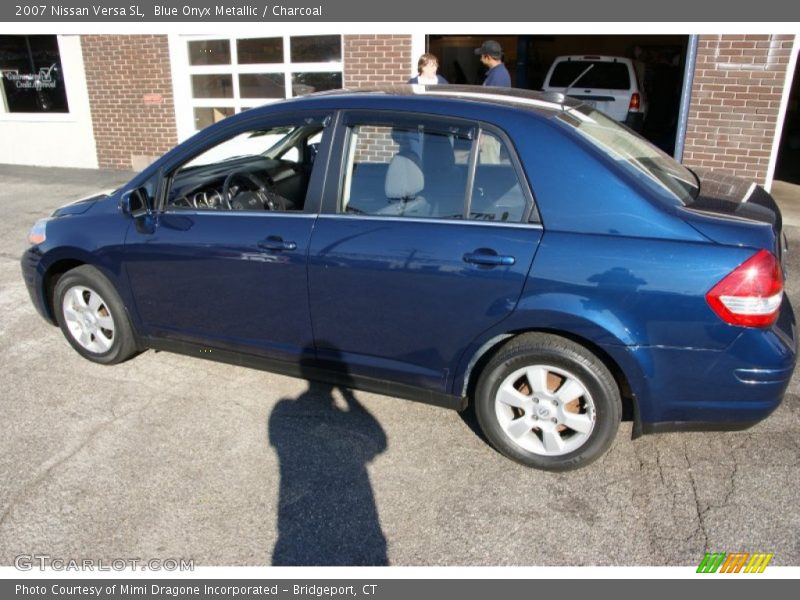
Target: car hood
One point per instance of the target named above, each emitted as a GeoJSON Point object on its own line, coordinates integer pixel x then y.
{"type": "Point", "coordinates": [81, 205]}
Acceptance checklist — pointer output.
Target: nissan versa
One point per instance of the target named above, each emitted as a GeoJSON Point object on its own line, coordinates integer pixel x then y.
{"type": "Point", "coordinates": [515, 250]}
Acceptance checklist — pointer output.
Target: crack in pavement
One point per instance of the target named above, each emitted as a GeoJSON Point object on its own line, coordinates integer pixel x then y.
{"type": "Point", "coordinates": [637, 496]}
{"type": "Point", "coordinates": [701, 513]}
{"type": "Point", "coordinates": [93, 433]}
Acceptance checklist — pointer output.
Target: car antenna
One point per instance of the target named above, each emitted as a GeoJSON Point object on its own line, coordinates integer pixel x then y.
{"type": "Point", "coordinates": [577, 79]}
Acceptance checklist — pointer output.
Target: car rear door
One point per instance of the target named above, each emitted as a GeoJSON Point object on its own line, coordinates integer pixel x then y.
{"type": "Point", "coordinates": [425, 240]}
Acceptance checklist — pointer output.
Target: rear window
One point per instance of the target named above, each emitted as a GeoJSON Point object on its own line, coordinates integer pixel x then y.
{"type": "Point", "coordinates": [639, 157]}
{"type": "Point", "coordinates": [606, 75]}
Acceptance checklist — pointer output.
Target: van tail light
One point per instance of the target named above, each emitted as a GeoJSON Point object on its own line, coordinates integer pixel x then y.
{"type": "Point", "coordinates": [751, 295]}
{"type": "Point", "coordinates": [635, 102]}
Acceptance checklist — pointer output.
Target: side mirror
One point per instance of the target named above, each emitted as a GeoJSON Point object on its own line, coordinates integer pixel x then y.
{"type": "Point", "coordinates": [134, 203]}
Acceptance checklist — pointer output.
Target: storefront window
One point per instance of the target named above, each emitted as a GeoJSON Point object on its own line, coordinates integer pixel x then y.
{"type": "Point", "coordinates": [31, 74]}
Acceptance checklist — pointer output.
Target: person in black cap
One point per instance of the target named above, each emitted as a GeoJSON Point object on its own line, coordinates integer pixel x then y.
{"type": "Point", "coordinates": [491, 54]}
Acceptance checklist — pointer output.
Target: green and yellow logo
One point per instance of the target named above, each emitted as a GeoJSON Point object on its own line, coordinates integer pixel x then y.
{"type": "Point", "coordinates": [737, 562]}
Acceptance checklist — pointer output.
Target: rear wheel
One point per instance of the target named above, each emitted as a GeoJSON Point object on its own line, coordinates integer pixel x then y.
{"type": "Point", "coordinates": [548, 402]}
{"type": "Point", "coordinates": [92, 316]}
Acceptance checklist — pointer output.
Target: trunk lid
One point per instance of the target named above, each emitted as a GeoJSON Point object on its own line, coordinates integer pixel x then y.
{"type": "Point", "coordinates": [733, 211]}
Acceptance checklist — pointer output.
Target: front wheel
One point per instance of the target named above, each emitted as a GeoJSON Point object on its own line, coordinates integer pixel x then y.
{"type": "Point", "coordinates": [92, 316]}
{"type": "Point", "coordinates": [547, 402]}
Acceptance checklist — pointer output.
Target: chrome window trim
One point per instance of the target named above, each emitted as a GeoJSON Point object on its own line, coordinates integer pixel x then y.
{"type": "Point", "coordinates": [434, 220]}
{"type": "Point", "coordinates": [241, 213]}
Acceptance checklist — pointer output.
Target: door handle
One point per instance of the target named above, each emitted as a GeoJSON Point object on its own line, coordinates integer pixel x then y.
{"type": "Point", "coordinates": [489, 258]}
{"type": "Point", "coordinates": [276, 244]}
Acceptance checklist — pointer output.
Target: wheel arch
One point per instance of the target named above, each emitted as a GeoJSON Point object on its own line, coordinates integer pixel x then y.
{"type": "Point", "coordinates": [478, 360]}
{"type": "Point", "coordinates": [50, 279]}
{"type": "Point", "coordinates": [66, 261]}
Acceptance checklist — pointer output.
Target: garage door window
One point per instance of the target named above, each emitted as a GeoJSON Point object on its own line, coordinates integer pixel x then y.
{"type": "Point", "coordinates": [229, 75]}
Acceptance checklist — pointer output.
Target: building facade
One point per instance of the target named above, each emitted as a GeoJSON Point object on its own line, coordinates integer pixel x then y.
{"type": "Point", "coordinates": [120, 101]}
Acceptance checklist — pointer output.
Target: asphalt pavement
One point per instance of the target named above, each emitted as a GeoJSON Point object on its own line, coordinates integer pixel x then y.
{"type": "Point", "coordinates": [167, 456]}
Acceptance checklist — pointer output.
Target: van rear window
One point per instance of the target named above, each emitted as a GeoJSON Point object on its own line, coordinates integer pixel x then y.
{"type": "Point", "coordinates": [605, 75]}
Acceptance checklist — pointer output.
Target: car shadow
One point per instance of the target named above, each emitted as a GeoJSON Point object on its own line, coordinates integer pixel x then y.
{"type": "Point", "coordinates": [327, 515]}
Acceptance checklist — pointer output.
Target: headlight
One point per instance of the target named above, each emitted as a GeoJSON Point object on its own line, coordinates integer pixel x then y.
{"type": "Point", "coordinates": [38, 232]}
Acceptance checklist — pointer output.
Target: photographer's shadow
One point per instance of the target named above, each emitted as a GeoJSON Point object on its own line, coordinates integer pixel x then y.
{"type": "Point", "coordinates": [326, 509]}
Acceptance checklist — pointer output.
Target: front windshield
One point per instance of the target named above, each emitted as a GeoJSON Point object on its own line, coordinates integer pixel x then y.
{"type": "Point", "coordinates": [251, 143]}
{"type": "Point", "coordinates": [635, 154]}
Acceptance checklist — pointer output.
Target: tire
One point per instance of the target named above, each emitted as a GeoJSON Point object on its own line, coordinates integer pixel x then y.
{"type": "Point", "coordinates": [92, 317]}
{"type": "Point", "coordinates": [547, 402]}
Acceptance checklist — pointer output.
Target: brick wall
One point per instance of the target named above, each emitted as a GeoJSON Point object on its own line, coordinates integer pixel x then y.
{"type": "Point", "coordinates": [371, 60]}
{"type": "Point", "coordinates": [130, 94]}
{"type": "Point", "coordinates": [736, 95]}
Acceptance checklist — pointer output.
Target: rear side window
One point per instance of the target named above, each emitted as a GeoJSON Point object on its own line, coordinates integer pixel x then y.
{"type": "Point", "coordinates": [405, 172]}
{"type": "Point", "coordinates": [496, 193]}
{"type": "Point", "coordinates": [436, 172]}
{"type": "Point", "coordinates": [605, 75]}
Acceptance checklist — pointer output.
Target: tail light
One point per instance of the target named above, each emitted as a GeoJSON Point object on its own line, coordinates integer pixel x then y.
{"type": "Point", "coordinates": [751, 295]}
{"type": "Point", "coordinates": [635, 102]}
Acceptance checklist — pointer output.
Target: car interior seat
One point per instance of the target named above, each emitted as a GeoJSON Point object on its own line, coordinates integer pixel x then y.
{"type": "Point", "coordinates": [445, 183]}
{"type": "Point", "coordinates": [403, 186]}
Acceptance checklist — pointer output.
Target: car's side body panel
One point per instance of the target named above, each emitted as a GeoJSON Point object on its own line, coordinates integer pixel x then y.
{"type": "Point", "coordinates": [222, 278]}
{"type": "Point", "coordinates": [99, 244]}
{"type": "Point", "coordinates": [408, 280]}
{"type": "Point", "coordinates": [648, 313]}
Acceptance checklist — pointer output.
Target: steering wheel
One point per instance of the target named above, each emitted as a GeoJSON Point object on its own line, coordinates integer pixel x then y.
{"type": "Point", "coordinates": [269, 199]}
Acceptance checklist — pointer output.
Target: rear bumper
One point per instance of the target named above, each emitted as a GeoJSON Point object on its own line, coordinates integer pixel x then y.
{"type": "Point", "coordinates": [672, 426]}
{"type": "Point", "coordinates": [684, 389]}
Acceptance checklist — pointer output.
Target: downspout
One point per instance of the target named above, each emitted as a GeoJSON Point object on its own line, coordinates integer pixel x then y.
{"type": "Point", "coordinates": [686, 96]}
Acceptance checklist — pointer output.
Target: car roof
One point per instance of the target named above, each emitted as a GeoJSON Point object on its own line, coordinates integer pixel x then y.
{"type": "Point", "coordinates": [544, 103]}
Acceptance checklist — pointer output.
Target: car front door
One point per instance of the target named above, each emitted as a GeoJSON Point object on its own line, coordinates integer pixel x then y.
{"type": "Point", "coordinates": [223, 264]}
{"type": "Point", "coordinates": [425, 241]}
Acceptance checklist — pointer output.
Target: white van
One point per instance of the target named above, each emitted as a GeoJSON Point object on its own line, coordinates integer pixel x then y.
{"type": "Point", "coordinates": [612, 84]}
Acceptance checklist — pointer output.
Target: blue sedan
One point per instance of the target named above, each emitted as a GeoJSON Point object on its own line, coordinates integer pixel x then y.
{"type": "Point", "coordinates": [515, 251]}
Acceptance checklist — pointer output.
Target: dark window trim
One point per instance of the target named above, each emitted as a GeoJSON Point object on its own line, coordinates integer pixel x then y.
{"type": "Point", "coordinates": [316, 183]}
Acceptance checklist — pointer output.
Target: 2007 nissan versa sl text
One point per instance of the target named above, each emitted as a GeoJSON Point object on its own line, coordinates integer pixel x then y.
{"type": "Point", "coordinates": [453, 245]}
